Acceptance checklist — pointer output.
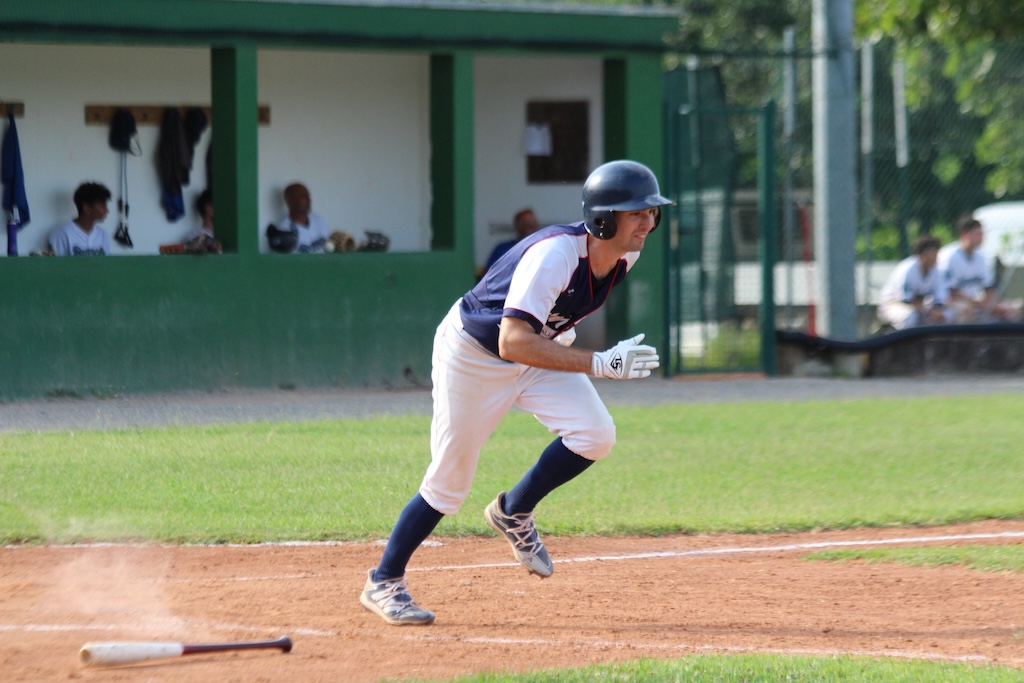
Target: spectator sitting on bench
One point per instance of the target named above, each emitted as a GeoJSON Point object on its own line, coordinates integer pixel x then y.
{"type": "Point", "coordinates": [914, 294]}
{"type": "Point", "coordinates": [969, 278]}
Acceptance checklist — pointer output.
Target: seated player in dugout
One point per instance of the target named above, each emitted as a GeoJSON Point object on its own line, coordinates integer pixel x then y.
{"type": "Point", "coordinates": [508, 342]}
{"type": "Point", "coordinates": [524, 223]}
{"type": "Point", "coordinates": [85, 236]}
{"type": "Point", "coordinates": [914, 294]}
{"type": "Point", "coordinates": [301, 231]}
{"type": "Point", "coordinates": [202, 239]}
{"type": "Point", "coordinates": [969, 278]}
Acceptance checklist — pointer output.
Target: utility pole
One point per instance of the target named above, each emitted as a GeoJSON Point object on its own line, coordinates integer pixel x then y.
{"type": "Point", "coordinates": [835, 186]}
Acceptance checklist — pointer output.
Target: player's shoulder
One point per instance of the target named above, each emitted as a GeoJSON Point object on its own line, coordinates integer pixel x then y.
{"type": "Point", "coordinates": [568, 236]}
{"type": "Point", "coordinates": [948, 250]}
{"type": "Point", "coordinates": [564, 243]}
{"type": "Point", "coordinates": [556, 229]}
{"type": "Point", "coordinates": [908, 263]}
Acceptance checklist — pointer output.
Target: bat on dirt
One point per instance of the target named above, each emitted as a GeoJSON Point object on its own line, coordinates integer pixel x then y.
{"type": "Point", "coordinates": [109, 654]}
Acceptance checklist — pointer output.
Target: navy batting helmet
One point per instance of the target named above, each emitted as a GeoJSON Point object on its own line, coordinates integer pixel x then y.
{"type": "Point", "coordinates": [282, 241]}
{"type": "Point", "coordinates": [619, 186]}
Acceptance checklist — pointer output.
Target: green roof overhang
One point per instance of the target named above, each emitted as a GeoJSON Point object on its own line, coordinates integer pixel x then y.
{"type": "Point", "coordinates": [325, 24]}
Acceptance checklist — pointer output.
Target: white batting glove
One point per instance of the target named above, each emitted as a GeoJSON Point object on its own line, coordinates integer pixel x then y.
{"type": "Point", "coordinates": [629, 359]}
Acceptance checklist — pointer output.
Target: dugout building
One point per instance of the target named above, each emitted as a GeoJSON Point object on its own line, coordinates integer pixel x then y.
{"type": "Point", "coordinates": [430, 122]}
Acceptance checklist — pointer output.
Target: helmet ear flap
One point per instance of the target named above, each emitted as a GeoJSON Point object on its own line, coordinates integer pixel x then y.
{"type": "Point", "coordinates": [602, 225]}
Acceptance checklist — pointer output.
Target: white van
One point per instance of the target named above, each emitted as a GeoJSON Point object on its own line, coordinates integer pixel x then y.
{"type": "Point", "coordinates": [1003, 223]}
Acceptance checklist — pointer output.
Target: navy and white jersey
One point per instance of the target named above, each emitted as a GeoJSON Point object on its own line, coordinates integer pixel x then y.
{"type": "Point", "coordinates": [907, 282]}
{"type": "Point", "coordinates": [969, 274]}
{"type": "Point", "coordinates": [312, 237]}
{"type": "Point", "coordinates": [545, 279]}
{"type": "Point", "coordinates": [71, 240]}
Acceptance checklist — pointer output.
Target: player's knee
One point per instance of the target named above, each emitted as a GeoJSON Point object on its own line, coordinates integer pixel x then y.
{"type": "Point", "coordinates": [596, 442]}
{"type": "Point", "coordinates": [445, 502]}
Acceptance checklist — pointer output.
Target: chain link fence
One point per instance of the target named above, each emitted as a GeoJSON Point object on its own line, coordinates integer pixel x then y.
{"type": "Point", "coordinates": [939, 137]}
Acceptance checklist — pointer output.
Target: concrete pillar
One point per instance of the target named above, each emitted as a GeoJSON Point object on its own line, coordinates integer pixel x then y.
{"type": "Point", "coordinates": [835, 187]}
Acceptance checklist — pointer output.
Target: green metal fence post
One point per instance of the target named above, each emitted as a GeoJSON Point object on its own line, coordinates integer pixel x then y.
{"type": "Point", "coordinates": [767, 218]}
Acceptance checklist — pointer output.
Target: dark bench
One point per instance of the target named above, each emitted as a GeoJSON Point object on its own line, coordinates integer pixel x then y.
{"type": "Point", "coordinates": [931, 349]}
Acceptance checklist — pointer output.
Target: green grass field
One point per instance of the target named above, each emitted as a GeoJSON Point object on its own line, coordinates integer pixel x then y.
{"type": "Point", "coordinates": [744, 467]}
{"type": "Point", "coordinates": [759, 669]}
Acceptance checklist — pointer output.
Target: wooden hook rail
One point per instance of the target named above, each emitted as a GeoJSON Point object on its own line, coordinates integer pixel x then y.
{"type": "Point", "coordinates": [16, 108]}
{"type": "Point", "coordinates": [152, 114]}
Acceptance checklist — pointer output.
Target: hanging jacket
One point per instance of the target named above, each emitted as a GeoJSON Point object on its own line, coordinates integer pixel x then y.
{"type": "Point", "coordinates": [13, 175]}
{"type": "Point", "coordinates": [195, 124]}
{"type": "Point", "coordinates": [174, 163]}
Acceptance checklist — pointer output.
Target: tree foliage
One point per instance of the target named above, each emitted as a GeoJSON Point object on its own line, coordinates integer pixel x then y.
{"type": "Point", "coordinates": [949, 21]}
{"type": "Point", "coordinates": [964, 68]}
{"type": "Point", "coordinates": [982, 44]}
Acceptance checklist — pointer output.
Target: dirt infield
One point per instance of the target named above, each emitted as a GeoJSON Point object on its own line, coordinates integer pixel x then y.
{"type": "Point", "coordinates": [610, 599]}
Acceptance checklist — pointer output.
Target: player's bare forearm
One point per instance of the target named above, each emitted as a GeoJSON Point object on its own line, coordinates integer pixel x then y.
{"type": "Point", "coordinates": [517, 342]}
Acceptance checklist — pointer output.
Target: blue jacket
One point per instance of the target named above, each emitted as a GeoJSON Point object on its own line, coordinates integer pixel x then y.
{"type": "Point", "coordinates": [12, 175]}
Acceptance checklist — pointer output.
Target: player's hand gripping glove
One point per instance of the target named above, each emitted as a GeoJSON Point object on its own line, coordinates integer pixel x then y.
{"type": "Point", "coordinates": [629, 359]}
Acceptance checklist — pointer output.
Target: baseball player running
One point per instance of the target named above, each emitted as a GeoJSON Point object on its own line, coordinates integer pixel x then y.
{"type": "Point", "coordinates": [507, 342]}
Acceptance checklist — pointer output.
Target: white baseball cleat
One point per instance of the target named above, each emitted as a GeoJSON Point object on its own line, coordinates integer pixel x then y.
{"type": "Point", "coordinates": [390, 600]}
{"type": "Point", "coordinates": [521, 534]}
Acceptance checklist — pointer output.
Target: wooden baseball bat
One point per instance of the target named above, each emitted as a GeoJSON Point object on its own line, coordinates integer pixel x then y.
{"type": "Point", "coordinates": [113, 653]}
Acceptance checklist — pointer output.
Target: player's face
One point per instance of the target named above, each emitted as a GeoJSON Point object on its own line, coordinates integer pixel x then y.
{"type": "Point", "coordinates": [929, 257]}
{"type": "Point", "coordinates": [96, 212]}
{"type": "Point", "coordinates": [298, 200]}
{"type": "Point", "coordinates": [977, 237]}
{"type": "Point", "coordinates": [972, 239]}
{"type": "Point", "coordinates": [634, 227]}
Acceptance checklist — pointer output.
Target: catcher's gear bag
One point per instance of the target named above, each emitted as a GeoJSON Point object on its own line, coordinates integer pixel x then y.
{"type": "Point", "coordinates": [281, 241]}
{"type": "Point", "coordinates": [375, 241]}
{"type": "Point", "coordinates": [619, 186]}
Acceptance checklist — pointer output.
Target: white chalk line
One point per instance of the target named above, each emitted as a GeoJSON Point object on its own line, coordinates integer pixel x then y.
{"type": "Point", "coordinates": [229, 579]}
{"type": "Point", "coordinates": [54, 628]}
{"type": "Point", "coordinates": [731, 649]}
{"type": "Point", "coordinates": [150, 626]}
{"type": "Point", "coordinates": [706, 552]}
{"type": "Point", "coordinates": [115, 544]}
{"type": "Point", "coordinates": [244, 546]}
{"type": "Point", "coordinates": [653, 555]}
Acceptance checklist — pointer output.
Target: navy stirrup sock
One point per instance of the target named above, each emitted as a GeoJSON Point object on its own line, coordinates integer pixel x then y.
{"type": "Point", "coordinates": [556, 465]}
{"type": "Point", "coordinates": [415, 523]}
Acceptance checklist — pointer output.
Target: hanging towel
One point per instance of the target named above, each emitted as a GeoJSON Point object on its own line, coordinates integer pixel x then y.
{"type": "Point", "coordinates": [15, 200]}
